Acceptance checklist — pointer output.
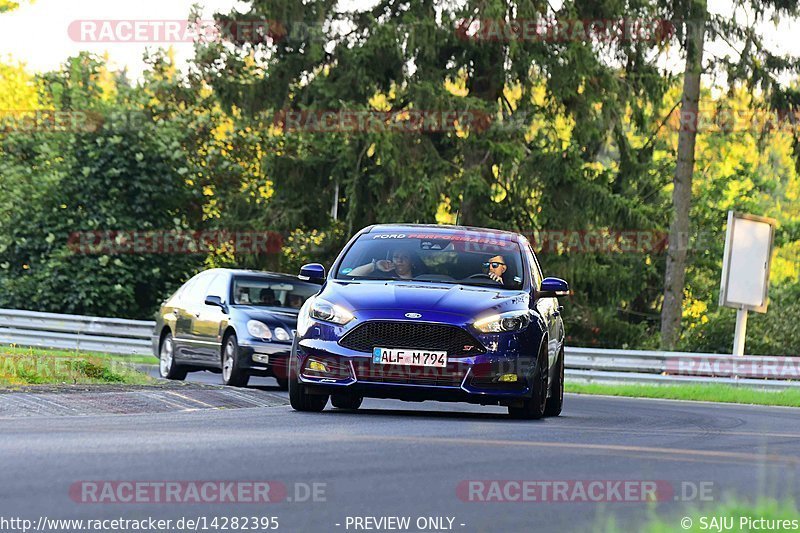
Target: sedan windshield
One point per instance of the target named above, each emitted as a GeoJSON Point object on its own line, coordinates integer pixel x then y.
{"type": "Point", "coordinates": [271, 293]}
{"type": "Point", "coordinates": [465, 258]}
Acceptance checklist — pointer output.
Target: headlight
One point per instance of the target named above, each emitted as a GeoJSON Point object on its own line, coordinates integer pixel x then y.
{"type": "Point", "coordinates": [282, 335]}
{"type": "Point", "coordinates": [322, 310]}
{"type": "Point", "coordinates": [259, 330]}
{"type": "Point", "coordinates": [510, 321]}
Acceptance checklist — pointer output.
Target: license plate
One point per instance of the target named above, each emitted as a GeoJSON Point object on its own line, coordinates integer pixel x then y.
{"type": "Point", "coordinates": [409, 357]}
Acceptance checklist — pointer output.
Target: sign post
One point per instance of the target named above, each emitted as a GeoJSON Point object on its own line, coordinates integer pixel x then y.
{"type": "Point", "coordinates": [745, 269]}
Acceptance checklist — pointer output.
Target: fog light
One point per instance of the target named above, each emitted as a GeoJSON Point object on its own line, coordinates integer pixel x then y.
{"type": "Point", "coordinates": [260, 358]}
{"type": "Point", "coordinates": [318, 366]}
{"type": "Point", "coordinates": [507, 378]}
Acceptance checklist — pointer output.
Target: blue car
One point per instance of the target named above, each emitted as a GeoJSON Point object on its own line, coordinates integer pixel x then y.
{"type": "Point", "coordinates": [239, 323]}
{"type": "Point", "coordinates": [430, 312]}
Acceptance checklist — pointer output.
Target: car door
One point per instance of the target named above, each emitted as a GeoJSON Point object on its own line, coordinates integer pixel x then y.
{"type": "Point", "coordinates": [547, 308]}
{"type": "Point", "coordinates": [209, 321]}
{"type": "Point", "coordinates": [195, 350]}
{"type": "Point", "coordinates": [183, 321]}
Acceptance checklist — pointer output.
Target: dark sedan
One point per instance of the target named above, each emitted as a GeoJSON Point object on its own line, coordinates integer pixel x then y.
{"type": "Point", "coordinates": [237, 322]}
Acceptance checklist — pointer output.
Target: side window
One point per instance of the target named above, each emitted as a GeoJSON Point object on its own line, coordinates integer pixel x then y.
{"type": "Point", "coordinates": [181, 294]}
{"type": "Point", "coordinates": [219, 287]}
{"type": "Point", "coordinates": [536, 272]}
{"type": "Point", "coordinates": [196, 294]}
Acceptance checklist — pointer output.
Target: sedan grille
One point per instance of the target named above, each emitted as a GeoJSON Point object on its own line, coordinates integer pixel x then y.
{"type": "Point", "coordinates": [456, 341]}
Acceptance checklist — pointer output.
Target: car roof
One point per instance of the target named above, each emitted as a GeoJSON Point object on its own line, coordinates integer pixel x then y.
{"type": "Point", "coordinates": [256, 273]}
{"type": "Point", "coordinates": [444, 229]}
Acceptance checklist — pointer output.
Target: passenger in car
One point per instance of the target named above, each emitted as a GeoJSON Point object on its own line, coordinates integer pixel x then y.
{"type": "Point", "coordinates": [401, 266]}
{"type": "Point", "coordinates": [267, 297]}
{"type": "Point", "coordinates": [496, 267]}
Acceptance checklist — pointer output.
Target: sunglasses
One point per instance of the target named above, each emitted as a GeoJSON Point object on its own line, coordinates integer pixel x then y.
{"type": "Point", "coordinates": [493, 264]}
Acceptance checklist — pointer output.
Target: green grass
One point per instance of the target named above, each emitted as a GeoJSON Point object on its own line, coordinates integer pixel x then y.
{"type": "Point", "coordinates": [710, 392]}
{"type": "Point", "coordinates": [771, 511]}
{"type": "Point", "coordinates": [134, 359]}
{"type": "Point", "coordinates": [35, 366]}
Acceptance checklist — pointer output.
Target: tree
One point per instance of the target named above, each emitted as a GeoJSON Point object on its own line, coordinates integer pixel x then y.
{"type": "Point", "coordinates": [675, 273]}
{"type": "Point", "coordinates": [126, 175]}
{"type": "Point", "coordinates": [758, 69]}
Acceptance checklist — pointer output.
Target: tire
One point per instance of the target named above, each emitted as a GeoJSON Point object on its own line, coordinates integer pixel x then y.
{"type": "Point", "coordinates": [556, 400]}
{"type": "Point", "coordinates": [299, 398]}
{"type": "Point", "coordinates": [533, 408]}
{"type": "Point", "coordinates": [346, 401]}
{"type": "Point", "coordinates": [168, 368]}
{"type": "Point", "coordinates": [232, 374]}
{"type": "Point", "coordinates": [283, 383]}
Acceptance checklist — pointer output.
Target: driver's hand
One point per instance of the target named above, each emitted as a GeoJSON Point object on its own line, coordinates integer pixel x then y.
{"type": "Point", "coordinates": [496, 278]}
{"type": "Point", "coordinates": [384, 265]}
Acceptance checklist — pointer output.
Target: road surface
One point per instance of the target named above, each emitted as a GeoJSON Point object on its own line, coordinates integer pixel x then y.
{"type": "Point", "coordinates": [407, 460]}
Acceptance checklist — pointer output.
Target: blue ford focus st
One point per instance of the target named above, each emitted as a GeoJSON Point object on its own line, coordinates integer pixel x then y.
{"type": "Point", "coordinates": [428, 312]}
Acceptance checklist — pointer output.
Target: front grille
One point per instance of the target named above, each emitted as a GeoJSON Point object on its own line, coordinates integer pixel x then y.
{"type": "Point", "coordinates": [454, 340]}
{"type": "Point", "coordinates": [450, 376]}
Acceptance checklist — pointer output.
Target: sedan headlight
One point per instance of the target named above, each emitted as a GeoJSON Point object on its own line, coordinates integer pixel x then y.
{"type": "Point", "coordinates": [258, 329]}
{"type": "Point", "coordinates": [509, 321]}
{"type": "Point", "coordinates": [322, 310]}
{"type": "Point", "coordinates": [282, 335]}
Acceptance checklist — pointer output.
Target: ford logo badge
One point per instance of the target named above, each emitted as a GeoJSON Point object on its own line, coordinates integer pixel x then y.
{"type": "Point", "coordinates": [413, 315]}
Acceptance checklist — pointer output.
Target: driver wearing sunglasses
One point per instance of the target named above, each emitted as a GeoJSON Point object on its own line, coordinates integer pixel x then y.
{"type": "Point", "coordinates": [496, 268]}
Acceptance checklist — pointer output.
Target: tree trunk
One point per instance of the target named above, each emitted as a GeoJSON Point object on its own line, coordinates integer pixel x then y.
{"type": "Point", "coordinates": [675, 275]}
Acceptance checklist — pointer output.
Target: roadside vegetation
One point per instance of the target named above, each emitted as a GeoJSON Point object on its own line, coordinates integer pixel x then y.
{"type": "Point", "coordinates": [574, 143]}
{"type": "Point", "coordinates": [710, 392]}
{"type": "Point", "coordinates": [35, 366]}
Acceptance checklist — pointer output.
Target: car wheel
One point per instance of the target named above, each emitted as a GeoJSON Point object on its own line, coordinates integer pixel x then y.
{"type": "Point", "coordinates": [346, 401]}
{"type": "Point", "coordinates": [232, 374]}
{"type": "Point", "coordinates": [168, 368]}
{"type": "Point", "coordinates": [556, 400]}
{"type": "Point", "coordinates": [283, 383]}
{"type": "Point", "coordinates": [533, 408]}
{"type": "Point", "coordinates": [299, 398]}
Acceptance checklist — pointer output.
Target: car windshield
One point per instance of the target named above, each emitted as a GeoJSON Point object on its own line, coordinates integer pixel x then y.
{"type": "Point", "coordinates": [465, 258]}
{"type": "Point", "coordinates": [271, 293]}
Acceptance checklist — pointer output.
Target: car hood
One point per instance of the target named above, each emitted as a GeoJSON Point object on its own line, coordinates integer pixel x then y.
{"type": "Point", "coordinates": [409, 296]}
{"type": "Point", "coordinates": [288, 317]}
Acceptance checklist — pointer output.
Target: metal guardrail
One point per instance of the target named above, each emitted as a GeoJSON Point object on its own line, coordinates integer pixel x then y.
{"type": "Point", "coordinates": [596, 365]}
{"type": "Point", "coordinates": [76, 332]}
{"type": "Point", "coordinates": [587, 365]}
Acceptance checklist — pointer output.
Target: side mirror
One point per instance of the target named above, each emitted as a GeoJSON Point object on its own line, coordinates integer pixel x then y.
{"type": "Point", "coordinates": [217, 301]}
{"type": "Point", "coordinates": [313, 272]}
{"type": "Point", "coordinates": [552, 287]}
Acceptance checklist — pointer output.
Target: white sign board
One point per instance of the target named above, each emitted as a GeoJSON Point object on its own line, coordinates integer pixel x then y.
{"type": "Point", "coordinates": [746, 262]}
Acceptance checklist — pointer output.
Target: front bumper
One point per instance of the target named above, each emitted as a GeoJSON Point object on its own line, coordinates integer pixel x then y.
{"type": "Point", "coordinates": [474, 379]}
{"type": "Point", "coordinates": [269, 359]}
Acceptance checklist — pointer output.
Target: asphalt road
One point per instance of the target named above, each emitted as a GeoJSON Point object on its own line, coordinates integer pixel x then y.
{"type": "Point", "coordinates": [402, 459]}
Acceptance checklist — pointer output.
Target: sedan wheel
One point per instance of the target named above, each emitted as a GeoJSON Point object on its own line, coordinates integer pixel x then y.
{"type": "Point", "coordinates": [231, 373]}
{"type": "Point", "coordinates": [167, 366]}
